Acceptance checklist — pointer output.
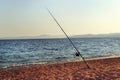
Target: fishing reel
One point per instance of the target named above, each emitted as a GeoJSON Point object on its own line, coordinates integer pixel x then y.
{"type": "Point", "coordinates": [77, 54]}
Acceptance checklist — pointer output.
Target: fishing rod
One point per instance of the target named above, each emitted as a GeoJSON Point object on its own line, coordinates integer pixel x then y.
{"type": "Point", "coordinates": [77, 53]}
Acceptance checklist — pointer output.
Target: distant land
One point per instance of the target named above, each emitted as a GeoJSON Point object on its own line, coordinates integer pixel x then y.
{"type": "Point", "coordinates": [63, 36]}
{"type": "Point", "coordinates": [35, 37]}
{"type": "Point", "coordinates": [97, 35]}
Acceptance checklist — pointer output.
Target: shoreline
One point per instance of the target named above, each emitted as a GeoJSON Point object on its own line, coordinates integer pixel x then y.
{"type": "Point", "coordinates": [58, 62]}
{"type": "Point", "coordinates": [101, 69]}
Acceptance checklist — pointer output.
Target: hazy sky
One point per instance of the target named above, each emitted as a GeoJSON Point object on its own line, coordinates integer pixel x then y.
{"type": "Point", "coordinates": [30, 18]}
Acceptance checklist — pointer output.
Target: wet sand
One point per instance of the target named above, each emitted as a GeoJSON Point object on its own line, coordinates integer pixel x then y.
{"type": "Point", "coordinates": [101, 69]}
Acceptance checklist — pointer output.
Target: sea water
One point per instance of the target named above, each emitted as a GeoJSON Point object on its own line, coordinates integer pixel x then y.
{"type": "Point", "coordinates": [30, 51]}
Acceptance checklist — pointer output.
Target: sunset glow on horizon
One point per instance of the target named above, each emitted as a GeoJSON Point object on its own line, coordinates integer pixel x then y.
{"type": "Point", "coordinates": [30, 18]}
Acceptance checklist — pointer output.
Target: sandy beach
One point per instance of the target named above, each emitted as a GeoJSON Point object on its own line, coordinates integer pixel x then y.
{"type": "Point", "coordinates": [101, 69]}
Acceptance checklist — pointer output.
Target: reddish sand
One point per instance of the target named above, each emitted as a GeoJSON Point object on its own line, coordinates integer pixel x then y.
{"type": "Point", "coordinates": [101, 69]}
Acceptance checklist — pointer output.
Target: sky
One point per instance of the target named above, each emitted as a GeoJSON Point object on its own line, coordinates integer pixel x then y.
{"type": "Point", "coordinates": [30, 17]}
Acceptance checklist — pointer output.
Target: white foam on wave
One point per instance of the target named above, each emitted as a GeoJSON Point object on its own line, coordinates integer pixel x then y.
{"type": "Point", "coordinates": [61, 61]}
